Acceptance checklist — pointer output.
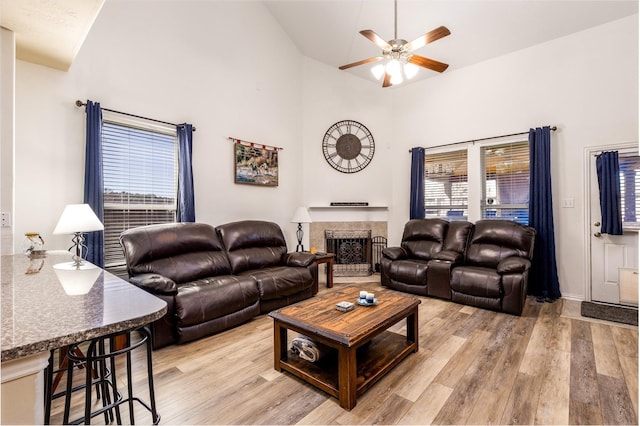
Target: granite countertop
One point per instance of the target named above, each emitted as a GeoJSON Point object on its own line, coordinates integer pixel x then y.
{"type": "Point", "coordinates": [39, 314]}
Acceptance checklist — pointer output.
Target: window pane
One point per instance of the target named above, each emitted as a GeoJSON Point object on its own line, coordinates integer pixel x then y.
{"type": "Point", "coordinates": [629, 196]}
{"type": "Point", "coordinates": [140, 184]}
{"type": "Point", "coordinates": [446, 185]}
{"type": "Point", "coordinates": [506, 181]}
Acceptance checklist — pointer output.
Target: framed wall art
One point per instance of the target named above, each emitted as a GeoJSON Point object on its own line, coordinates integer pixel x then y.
{"type": "Point", "coordinates": [255, 164]}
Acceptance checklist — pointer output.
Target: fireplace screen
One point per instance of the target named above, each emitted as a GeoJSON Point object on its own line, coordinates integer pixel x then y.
{"type": "Point", "coordinates": [353, 252]}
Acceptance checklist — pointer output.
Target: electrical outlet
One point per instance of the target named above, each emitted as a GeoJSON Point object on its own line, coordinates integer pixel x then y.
{"type": "Point", "coordinates": [6, 219]}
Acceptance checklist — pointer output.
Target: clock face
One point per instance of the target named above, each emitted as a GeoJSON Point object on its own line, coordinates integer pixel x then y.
{"type": "Point", "coordinates": [348, 146]}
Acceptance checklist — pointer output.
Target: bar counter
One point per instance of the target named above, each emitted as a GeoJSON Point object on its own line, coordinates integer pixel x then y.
{"type": "Point", "coordinates": [47, 304]}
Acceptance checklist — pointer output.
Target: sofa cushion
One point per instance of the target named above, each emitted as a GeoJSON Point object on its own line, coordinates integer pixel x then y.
{"type": "Point", "coordinates": [182, 252]}
{"type": "Point", "coordinates": [409, 271]}
{"type": "Point", "coordinates": [476, 281]}
{"type": "Point", "coordinates": [423, 238]}
{"type": "Point", "coordinates": [494, 240]}
{"type": "Point", "coordinates": [457, 236]}
{"type": "Point", "coordinates": [280, 281]}
{"type": "Point", "coordinates": [203, 300]}
{"type": "Point", "coordinates": [252, 244]}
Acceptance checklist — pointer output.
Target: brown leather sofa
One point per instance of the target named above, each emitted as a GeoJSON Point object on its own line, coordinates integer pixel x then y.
{"type": "Point", "coordinates": [485, 264]}
{"type": "Point", "coordinates": [215, 278]}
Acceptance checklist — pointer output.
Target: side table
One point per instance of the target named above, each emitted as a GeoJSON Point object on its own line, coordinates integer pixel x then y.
{"type": "Point", "coordinates": [328, 259]}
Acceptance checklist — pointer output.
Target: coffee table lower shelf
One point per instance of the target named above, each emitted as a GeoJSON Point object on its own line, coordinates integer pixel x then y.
{"type": "Point", "coordinates": [373, 360]}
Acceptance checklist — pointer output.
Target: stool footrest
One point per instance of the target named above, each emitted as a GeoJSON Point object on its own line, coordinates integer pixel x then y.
{"type": "Point", "coordinates": [101, 372]}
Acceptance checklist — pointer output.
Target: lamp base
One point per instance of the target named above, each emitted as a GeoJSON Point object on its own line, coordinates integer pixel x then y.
{"type": "Point", "coordinates": [80, 247]}
{"type": "Point", "coordinates": [299, 235]}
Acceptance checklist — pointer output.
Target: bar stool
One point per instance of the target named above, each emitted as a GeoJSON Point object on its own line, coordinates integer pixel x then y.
{"type": "Point", "coordinates": [53, 376]}
{"type": "Point", "coordinates": [98, 355]}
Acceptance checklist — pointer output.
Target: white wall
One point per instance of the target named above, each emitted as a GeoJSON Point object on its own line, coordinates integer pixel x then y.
{"type": "Point", "coordinates": [586, 84]}
{"type": "Point", "coordinates": [7, 99]}
{"type": "Point", "coordinates": [227, 67]}
{"type": "Point", "coordinates": [224, 79]}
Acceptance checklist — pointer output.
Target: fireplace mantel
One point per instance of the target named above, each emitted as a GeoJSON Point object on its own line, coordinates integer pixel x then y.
{"type": "Point", "coordinates": [348, 207]}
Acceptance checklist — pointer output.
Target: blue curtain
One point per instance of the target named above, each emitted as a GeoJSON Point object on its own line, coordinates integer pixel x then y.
{"type": "Point", "coordinates": [608, 170]}
{"type": "Point", "coordinates": [94, 181]}
{"type": "Point", "coordinates": [543, 276]}
{"type": "Point", "coordinates": [186, 204]}
{"type": "Point", "coordinates": [416, 203]}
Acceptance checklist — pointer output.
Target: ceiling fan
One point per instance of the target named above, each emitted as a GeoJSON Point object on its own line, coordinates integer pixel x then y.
{"type": "Point", "coordinates": [398, 52]}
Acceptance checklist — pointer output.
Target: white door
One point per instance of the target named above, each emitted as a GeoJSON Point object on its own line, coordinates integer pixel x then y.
{"type": "Point", "coordinates": [614, 258]}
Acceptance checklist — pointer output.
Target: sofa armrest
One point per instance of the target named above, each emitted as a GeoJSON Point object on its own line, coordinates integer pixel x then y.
{"type": "Point", "coordinates": [394, 253]}
{"type": "Point", "coordinates": [299, 259]}
{"type": "Point", "coordinates": [154, 283]}
{"type": "Point", "coordinates": [513, 265]}
{"type": "Point", "coordinates": [449, 256]}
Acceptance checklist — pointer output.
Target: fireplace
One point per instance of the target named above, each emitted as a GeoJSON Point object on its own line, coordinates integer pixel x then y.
{"type": "Point", "coordinates": [352, 249]}
{"type": "Point", "coordinates": [378, 235]}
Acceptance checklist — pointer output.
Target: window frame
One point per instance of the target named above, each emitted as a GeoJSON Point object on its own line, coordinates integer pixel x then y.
{"type": "Point", "coordinates": [485, 205]}
{"type": "Point", "coordinates": [475, 171]}
{"type": "Point", "coordinates": [464, 204]}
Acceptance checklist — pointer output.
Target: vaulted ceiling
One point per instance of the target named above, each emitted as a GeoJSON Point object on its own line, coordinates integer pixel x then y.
{"type": "Point", "coordinates": [50, 32]}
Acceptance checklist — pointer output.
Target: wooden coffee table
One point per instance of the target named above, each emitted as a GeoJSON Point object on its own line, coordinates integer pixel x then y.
{"type": "Point", "coordinates": [364, 349]}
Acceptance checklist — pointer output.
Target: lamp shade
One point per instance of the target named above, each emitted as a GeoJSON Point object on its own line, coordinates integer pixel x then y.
{"type": "Point", "coordinates": [78, 218]}
{"type": "Point", "coordinates": [301, 216]}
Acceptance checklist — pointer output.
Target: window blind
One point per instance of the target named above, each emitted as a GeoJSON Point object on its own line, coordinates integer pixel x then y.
{"type": "Point", "coordinates": [506, 181]}
{"type": "Point", "coordinates": [446, 185]}
{"type": "Point", "coordinates": [140, 182]}
{"type": "Point", "coordinates": [629, 195]}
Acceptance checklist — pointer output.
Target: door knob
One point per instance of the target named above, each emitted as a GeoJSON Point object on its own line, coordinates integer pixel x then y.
{"type": "Point", "coordinates": [597, 234]}
{"type": "Point", "coordinates": [596, 224]}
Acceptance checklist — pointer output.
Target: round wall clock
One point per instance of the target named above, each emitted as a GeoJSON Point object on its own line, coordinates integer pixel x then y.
{"type": "Point", "coordinates": [348, 146]}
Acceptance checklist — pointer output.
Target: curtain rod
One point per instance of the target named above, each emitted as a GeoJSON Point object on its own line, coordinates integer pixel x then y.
{"type": "Point", "coordinates": [252, 144]}
{"type": "Point", "coordinates": [553, 128]}
{"type": "Point", "coordinates": [79, 103]}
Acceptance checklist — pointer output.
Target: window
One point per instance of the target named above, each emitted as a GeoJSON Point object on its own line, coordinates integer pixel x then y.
{"type": "Point", "coordinates": [479, 181]}
{"type": "Point", "coordinates": [629, 196]}
{"type": "Point", "coordinates": [506, 182]}
{"type": "Point", "coordinates": [446, 185]}
{"type": "Point", "coordinates": [140, 181]}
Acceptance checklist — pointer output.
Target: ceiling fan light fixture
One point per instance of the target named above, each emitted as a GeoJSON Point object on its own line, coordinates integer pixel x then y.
{"type": "Point", "coordinates": [410, 70]}
{"type": "Point", "coordinates": [378, 71]}
{"type": "Point", "coordinates": [396, 78]}
{"type": "Point", "coordinates": [399, 56]}
{"type": "Point", "coordinates": [393, 68]}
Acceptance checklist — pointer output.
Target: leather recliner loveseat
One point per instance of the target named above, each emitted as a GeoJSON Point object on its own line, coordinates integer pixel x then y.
{"type": "Point", "coordinates": [485, 264]}
{"type": "Point", "coordinates": [215, 278]}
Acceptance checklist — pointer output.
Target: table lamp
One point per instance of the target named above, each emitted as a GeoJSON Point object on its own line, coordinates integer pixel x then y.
{"type": "Point", "coordinates": [77, 219]}
{"type": "Point", "coordinates": [300, 216]}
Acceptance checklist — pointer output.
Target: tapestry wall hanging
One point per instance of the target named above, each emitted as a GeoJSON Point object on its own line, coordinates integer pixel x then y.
{"type": "Point", "coordinates": [255, 164]}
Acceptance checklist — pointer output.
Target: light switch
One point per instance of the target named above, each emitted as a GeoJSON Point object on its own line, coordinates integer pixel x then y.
{"type": "Point", "coordinates": [568, 203]}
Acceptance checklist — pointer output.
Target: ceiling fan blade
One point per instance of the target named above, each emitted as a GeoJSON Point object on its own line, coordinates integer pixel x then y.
{"type": "Point", "coordinates": [428, 63]}
{"type": "Point", "coordinates": [362, 62]}
{"type": "Point", "coordinates": [387, 80]}
{"type": "Point", "coordinates": [379, 41]}
{"type": "Point", "coordinates": [429, 37]}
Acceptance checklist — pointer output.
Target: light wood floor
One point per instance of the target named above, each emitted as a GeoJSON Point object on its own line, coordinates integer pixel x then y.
{"type": "Point", "coordinates": [474, 367]}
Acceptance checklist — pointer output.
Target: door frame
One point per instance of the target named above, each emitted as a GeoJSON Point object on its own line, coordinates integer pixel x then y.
{"type": "Point", "coordinates": [590, 152]}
